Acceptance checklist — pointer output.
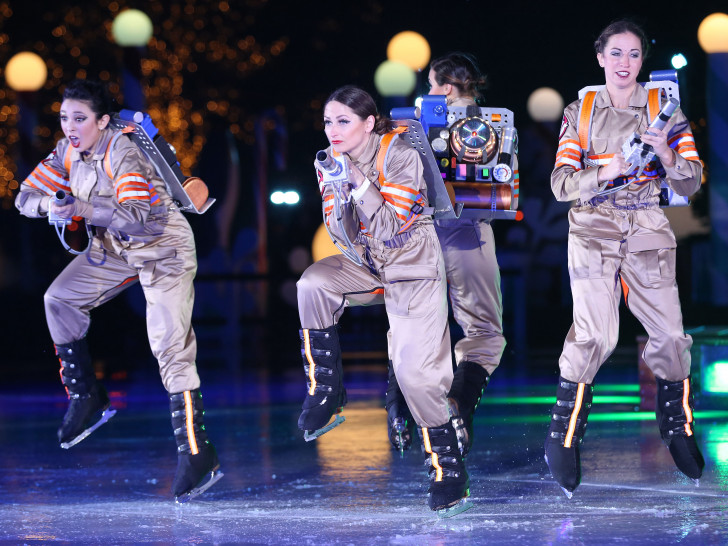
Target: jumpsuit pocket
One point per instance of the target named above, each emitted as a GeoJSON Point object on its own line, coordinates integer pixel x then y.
{"type": "Point", "coordinates": [653, 266]}
{"type": "Point", "coordinates": [585, 258]}
{"type": "Point", "coordinates": [411, 291]}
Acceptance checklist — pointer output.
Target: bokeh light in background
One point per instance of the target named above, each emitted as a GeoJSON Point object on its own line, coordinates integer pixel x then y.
{"type": "Point", "coordinates": [132, 28]}
{"type": "Point", "coordinates": [191, 46]}
{"type": "Point", "coordinates": [713, 33]}
{"type": "Point", "coordinates": [322, 245]}
{"type": "Point", "coordinates": [678, 61]}
{"type": "Point", "coordinates": [289, 197]}
{"type": "Point", "coordinates": [394, 79]}
{"type": "Point", "coordinates": [26, 71]}
{"type": "Point", "coordinates": [545, 104]}
{"type": "Point", "coordinates": [410, 48]}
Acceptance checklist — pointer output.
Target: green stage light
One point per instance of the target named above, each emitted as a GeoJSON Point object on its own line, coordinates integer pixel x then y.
{"type": "Point", "coordinates": [715, 376]}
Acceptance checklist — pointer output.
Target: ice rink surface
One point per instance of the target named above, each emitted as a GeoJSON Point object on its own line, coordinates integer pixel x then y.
{"type": "Point", "coordinates": [347, 487]}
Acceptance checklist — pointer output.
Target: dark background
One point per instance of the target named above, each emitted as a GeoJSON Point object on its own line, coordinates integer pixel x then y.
{"type": "Point", "coordinates": [254, 74]}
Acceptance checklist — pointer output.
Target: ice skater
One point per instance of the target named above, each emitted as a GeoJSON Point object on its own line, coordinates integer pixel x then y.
{"type": "Point", "coordinates": [473, 278]}
{"type": "Point", "coordinates": [137, 236]}
{"type": "Point", "coordinates": [392, 257]}
{"type": "Point", "coordinates": [620, 243]}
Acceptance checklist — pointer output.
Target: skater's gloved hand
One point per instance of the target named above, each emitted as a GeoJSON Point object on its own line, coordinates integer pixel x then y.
{"type": "Point", "coordinates": [73, 208]}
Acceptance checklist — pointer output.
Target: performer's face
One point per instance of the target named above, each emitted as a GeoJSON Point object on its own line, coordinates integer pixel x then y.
{"type": "Point", "coordinates": [436, 88]}
{"type": "Point", "coordinates": [80, 125]}
{"type": "Point", "coordinates": [346, 131]}
{"type": "Point", "coordinates": [621, 60]}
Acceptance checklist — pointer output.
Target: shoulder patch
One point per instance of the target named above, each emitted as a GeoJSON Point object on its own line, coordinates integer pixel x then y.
{"type": "Point", "coordinates": [564, 126]}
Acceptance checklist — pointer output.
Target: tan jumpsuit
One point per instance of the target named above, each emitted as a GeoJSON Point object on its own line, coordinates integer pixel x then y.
{"type": "Point", "coordinates": [474, 283]}
{"type": "Point", "coordinates": [139, 237]}
{"type": "Point", "coordinates": [622, 237]}
{"type": "Point", "coordinates": [405, 271]}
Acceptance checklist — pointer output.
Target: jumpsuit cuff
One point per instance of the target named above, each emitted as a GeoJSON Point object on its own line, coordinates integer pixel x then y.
{"type": "Point", "coordinates": [102, 212]}
{"type": "Point", "coordinates": [588, 184]}
{"type": "Point", "coordinates": [369, 202]}
{"type": "Point", "coordinates": [358, 192]}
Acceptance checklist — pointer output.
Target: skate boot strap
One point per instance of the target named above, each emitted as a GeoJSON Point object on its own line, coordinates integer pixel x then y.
{"type": "Point", "coordinates": [197, 413]}
{"type": "Point", "coordinates": [313, 334]}
{"type": "Point", "coordinates": [317, 370]}
{"type": "Point", "coordinates": [319, 388]}
{"type": "Point", "coordinates": [316, 352]}
{"type": "Point", "coordinates": [184, 447]}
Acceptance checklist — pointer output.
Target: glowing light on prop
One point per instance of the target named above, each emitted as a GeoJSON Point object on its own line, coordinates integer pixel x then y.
{"type": "Point", "coordinates": [713, 38]}
{"type": "Point", "coordinates": [132, 28]}
{"type": "Point", "coordinates": [322, 245]}
{"type": "Point", "coordinates": [545, 104]}
{"type": "Point", "coordinates": [410, 48]}
{"type": "Point", "coordinates": [394, 79]}
{"type": "Point", "coordinates": [713, 33]}
{"type": "Point", "coordinates": [678, 61]}
{"type": "Point", "coordinates": [26, 71]}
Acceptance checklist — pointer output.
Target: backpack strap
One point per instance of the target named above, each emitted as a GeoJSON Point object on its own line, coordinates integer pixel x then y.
{"type": "Point", "coordinates": [109, 150]}
{"type": "Point", "coordinates": [387, 140]}
{"type": "Point", "coordinates": [653, 103]}
{"type": "Point", "coordinates": [67, 161]}
{"type": "Point", "coordinates": [586, 110]}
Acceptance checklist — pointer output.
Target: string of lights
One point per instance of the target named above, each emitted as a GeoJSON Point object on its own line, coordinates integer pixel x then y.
{"type": "Point", "coordinates": [192, 46]}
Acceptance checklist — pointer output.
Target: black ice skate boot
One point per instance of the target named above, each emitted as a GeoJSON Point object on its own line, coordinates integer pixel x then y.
{"type": "Point", "coordinates": [197, 465]}
{"type": "Point", "coordinates": [566, 432]}
{"type": "Point", "coordinates": [88, 403]}
{"type": "Point", "coordinates": [468, 385]}
{"type": "Point", "coordinates": [326, 394]}
{"type": "Point", "coordinates": [449, 482]}
{"type": "Point", "coordinates": [399, 419]}
{"type": "Point", "coordinates": [674, 412]}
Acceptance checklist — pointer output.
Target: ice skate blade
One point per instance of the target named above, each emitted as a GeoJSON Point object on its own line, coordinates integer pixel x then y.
{"type": "Point", "coordinates": [213, 477]}
{"type": "Point", "coordinates": [105, 416]}
{"type": "Point", "coordinates": [697, 482]}
{"type": "Point", "coordinates": [568, 493]}
{"type": "Point", "coordinates": [457, 508]}
{"type": "Point", "coordinates": [338, 419]}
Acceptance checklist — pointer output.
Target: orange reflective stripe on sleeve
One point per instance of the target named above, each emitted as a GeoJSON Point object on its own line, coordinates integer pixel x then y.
{"type": "Point", "coordinates": [585, 115]}
{"type": "Point", "coordinates": [574, 415]}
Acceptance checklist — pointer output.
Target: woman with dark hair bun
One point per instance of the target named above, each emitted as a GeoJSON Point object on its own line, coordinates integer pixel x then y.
{"type": "Point", "coordinates": [473, 279]}
{"type": "Point", "coordinates": [621, 244]}
{"type": "Point", "coordinates": [395, 260]}
{"type": "Point", "coordinates": [139, 235]}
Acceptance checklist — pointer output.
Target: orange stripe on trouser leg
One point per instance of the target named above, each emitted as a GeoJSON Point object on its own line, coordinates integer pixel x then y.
{"type": "Point", "coordinates": [686, 406]}
{"type": "Point", "coordinates": [433, 456]}
{"type": "Point", "coordinates": [574, 414]}
{"type": "Point", "coordinates": [311, 363]}
{"type": "Point", "coordinates": [625, 290]}
{"type": "Point", "coordinates": [189, 421]}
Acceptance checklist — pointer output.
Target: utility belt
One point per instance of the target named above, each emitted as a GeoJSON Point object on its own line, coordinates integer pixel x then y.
{"type": "Point", "coordinates": [398, 241]}
{"type": "Point", "coordinates": [607, 202]}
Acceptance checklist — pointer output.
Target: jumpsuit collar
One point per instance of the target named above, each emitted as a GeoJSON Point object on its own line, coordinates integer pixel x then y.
{"type": "Point", "coordinates": [370, 150]}
{"type": "Point", "coordinates": [99, 151]}
{"type": "Point", "coordinates": [637, 100]}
